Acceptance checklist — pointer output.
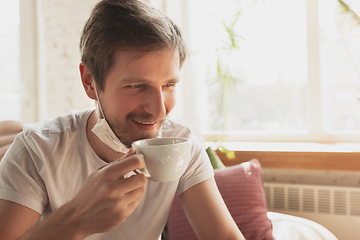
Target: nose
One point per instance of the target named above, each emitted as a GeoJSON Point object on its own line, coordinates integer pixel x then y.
{"type": "Point", "coordinates": [155, 103]}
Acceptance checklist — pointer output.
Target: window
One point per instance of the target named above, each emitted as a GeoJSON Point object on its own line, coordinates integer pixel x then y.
{"type": "Point", "coordinates": [340, 68]}
{"type": "Point", "coordinates": [10, 100]}
{"type": "Point", "coordinates": [275, 70]}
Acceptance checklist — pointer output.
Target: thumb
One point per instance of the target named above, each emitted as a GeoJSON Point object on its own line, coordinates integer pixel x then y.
{"type": "Point", "coordinates": [131, 151]}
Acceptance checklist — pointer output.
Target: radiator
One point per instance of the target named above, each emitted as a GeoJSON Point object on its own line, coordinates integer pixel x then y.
{"type": "Point", "coordinates": [336, 208]}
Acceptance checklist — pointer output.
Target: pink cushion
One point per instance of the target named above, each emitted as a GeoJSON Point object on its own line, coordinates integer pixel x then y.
{"type": "Point", "coordinates": [241, 187]}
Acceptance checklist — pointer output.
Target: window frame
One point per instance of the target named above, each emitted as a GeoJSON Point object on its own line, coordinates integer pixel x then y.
{"type": "Point", "coordinates": [33, 89]}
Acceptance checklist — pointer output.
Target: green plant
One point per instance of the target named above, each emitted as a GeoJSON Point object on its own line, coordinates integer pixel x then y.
{"type": "Point", "coordinates": [223, 83]}
{"type": "Point", "coordinates": [224, 80]}
{"type": "Point", "coordinates": [351, 17]}
{"type": "Point", "coordinates": [347, 10]}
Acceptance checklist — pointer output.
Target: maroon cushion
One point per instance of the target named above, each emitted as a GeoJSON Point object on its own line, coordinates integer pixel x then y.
{"type": "Point", "coordinates": [241, 187]}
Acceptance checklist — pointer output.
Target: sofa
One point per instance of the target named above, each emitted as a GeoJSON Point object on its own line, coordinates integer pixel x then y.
{"type": "Point", "coordinates": [8, 131]}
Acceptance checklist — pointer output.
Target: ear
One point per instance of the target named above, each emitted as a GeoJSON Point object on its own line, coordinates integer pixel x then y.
{"type": "Point", "coordinates": [87, 81]}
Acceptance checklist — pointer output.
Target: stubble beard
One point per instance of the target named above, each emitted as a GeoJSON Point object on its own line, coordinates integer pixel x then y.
{"type": "Point", "coordinates": [128, 135]}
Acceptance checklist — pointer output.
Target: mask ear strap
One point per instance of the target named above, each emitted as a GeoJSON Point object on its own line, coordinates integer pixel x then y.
{"type": "Point", "coordinates": [99, 110]}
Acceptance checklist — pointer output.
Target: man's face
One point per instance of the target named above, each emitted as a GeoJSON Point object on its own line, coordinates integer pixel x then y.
{"type": "Point", "coordinates": [139, 93]}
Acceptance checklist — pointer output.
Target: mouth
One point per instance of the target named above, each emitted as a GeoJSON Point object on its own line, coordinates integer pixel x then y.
{"type": "Point", "coordinates": [145, 125]}
{"type": "Point", "coordinates": [145, 122]}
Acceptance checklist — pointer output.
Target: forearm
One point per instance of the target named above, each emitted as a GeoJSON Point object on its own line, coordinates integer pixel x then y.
{"type": "Point", "coordinates": [59, 225]}
{"type": "Point", "coordinates": [208, 214]}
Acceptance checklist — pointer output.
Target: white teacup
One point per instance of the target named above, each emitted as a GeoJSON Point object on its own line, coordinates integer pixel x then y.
{"type": "Point", "coordinates": [165, 158]}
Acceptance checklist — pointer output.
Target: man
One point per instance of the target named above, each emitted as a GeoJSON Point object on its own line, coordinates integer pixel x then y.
{"type": "Point", "coordinates": [70, 178]}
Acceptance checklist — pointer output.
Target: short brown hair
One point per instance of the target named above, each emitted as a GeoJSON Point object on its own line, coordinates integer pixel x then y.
{"type": "Point", "coordinates": [118, 25]}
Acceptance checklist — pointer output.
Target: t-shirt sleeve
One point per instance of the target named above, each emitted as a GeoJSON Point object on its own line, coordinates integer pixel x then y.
{"type": "Point", "coordinates": [199, 168]}
{"type": "Point", "coordinates": [20, 180]}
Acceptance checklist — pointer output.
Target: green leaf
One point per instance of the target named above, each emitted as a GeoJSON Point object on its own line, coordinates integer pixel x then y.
{"type": "Point", "coordinates": [229, 154]}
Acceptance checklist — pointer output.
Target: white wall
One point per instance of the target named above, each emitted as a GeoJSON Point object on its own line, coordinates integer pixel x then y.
{"type": "Point", "coordinates": [63, 21]}
{"type": "Point", "coordinates": [50, 36]}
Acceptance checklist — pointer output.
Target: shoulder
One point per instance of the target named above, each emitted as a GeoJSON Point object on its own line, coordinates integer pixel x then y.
{"type": "Point", "coordinates": [56, 134]}
{"type": "Point", "coordinates": [64, 123]}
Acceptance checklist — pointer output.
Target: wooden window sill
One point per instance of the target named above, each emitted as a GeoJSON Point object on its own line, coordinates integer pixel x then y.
{"type": "Point", "coordinates": [312, 156]}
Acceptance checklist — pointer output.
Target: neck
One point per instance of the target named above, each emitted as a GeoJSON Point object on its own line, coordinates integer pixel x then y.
{"type": "Point", "coordinates": [102, 150]}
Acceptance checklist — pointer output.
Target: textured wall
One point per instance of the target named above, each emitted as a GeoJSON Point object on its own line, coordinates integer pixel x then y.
{"type": "Point", "coordinates": [62, 22]}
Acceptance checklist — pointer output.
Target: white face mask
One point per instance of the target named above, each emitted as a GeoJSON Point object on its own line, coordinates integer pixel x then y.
{"type": "Point", "coordinates": [104, 132]}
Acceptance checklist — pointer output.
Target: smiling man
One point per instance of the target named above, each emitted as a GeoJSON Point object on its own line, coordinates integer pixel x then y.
{"type": "Point", "coordinates": [72, 177]}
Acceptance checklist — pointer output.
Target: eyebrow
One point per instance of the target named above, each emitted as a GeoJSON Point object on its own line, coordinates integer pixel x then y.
{"type": "Point", "coordinates": [143, 80]}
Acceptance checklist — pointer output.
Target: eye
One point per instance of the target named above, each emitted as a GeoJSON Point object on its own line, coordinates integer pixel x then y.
{"type": "Point", "coordinates": [135, 86]}
{"type": "Point", "coordinates": [169, 85]}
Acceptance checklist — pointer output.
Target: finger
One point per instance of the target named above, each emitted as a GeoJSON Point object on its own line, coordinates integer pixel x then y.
{"type": "Point", "coordinates": [126, 165]}
{"type": "Point", "coordinates": [135, 196]}
{"type": "Point", "coordinates": [131, 151]}
{"type": "Point", "coordinates": [130, 184]}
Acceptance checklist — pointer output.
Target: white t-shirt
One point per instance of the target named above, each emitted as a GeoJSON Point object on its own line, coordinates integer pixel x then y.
{"type": "Point", "coordinates": [49, 161]}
